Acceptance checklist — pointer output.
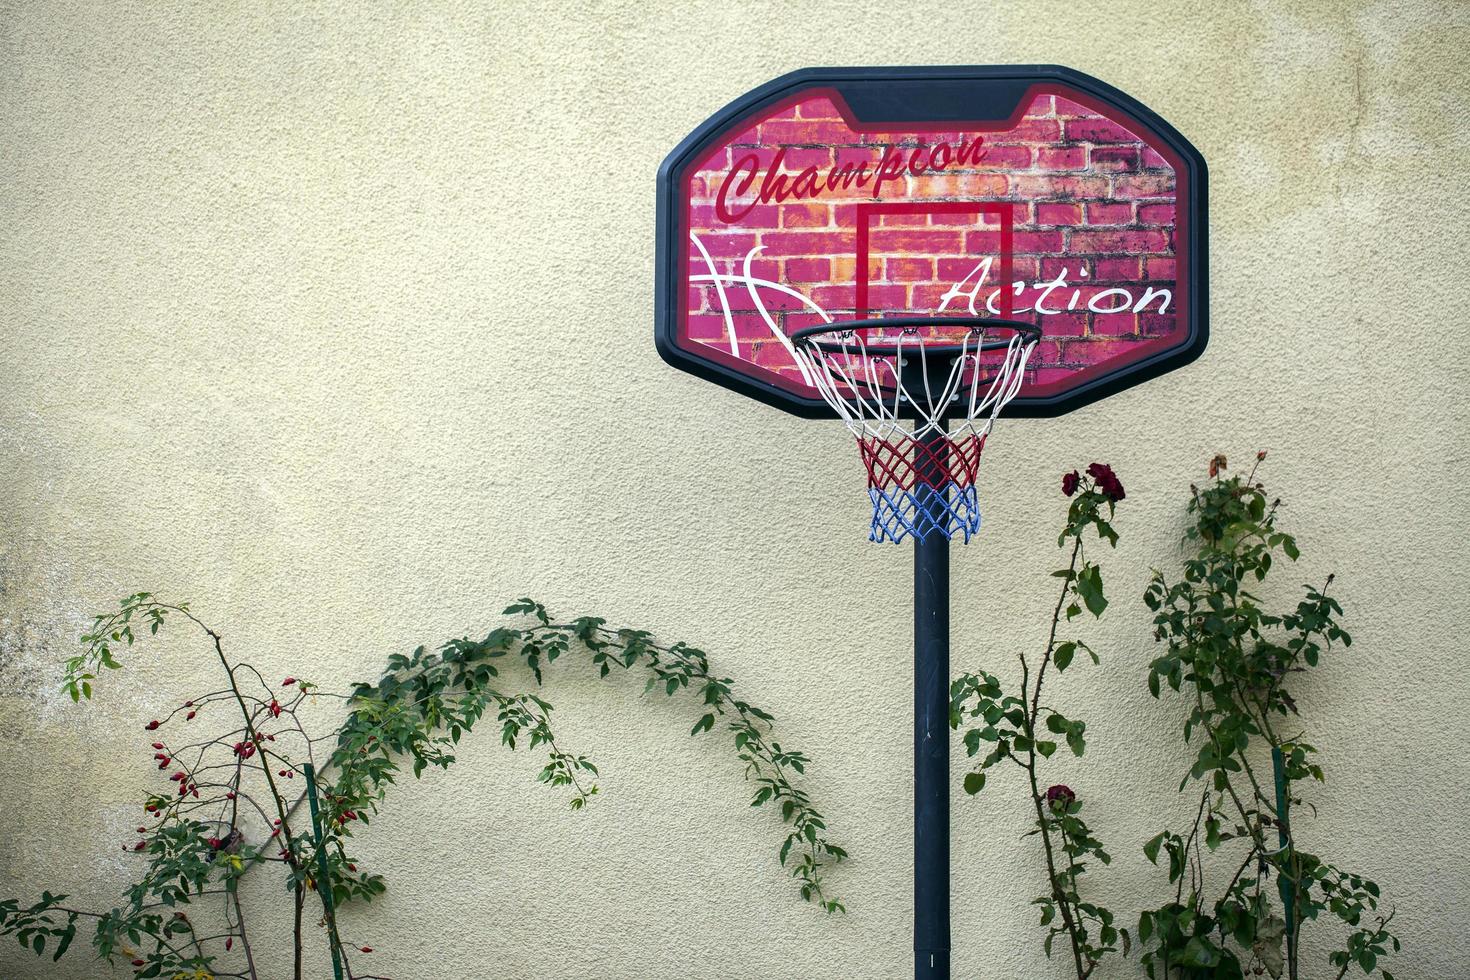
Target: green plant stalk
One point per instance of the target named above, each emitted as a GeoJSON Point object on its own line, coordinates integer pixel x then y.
{"type": "Point", "coordinates": [276, 796]}
{"type": "Point", "coordinates": [1038, 795]}
{"type": "Point", "coordinates": [1286, 888]}
{"type": "Point", "coordinates": [1014, 725]}
{"type": "Point", "coordinates": [324, 877]}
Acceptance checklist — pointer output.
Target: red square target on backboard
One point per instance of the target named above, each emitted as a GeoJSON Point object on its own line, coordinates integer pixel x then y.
{"type": "Point", "coordinates": [933, 257]}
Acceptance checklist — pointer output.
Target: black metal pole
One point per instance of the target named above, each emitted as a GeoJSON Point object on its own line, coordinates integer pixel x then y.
{"type": "Point", "coordinates": [931, 743]}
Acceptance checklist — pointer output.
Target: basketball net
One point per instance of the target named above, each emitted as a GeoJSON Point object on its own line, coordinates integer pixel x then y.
{"type": "Point", "coordinates": [896, 397]}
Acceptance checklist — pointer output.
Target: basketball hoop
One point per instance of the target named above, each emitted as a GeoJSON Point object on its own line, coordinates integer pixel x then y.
{"type": "Point", "coordinates": [887, 218]}
{"type": "Point", "coordinates": [896, 384]}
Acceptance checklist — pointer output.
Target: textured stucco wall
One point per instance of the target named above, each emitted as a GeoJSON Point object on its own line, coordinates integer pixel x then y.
{"type": "Point", "coordinates": [335, 319]}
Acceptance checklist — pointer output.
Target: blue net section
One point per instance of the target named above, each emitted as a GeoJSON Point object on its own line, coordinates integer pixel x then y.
{"type": "Point", "coordinates": [948, 510]}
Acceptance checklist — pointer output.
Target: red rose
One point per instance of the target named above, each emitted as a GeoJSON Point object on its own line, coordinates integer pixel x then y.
{"type": "Point", "coordinates": [1069, 483]}
{"type": "Point", "coordinates": [1060, 797]}
{"type": "Point", "coordinates": [1107, 481]}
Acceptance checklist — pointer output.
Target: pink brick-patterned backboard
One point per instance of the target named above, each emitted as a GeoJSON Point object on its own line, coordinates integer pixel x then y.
{"type": "Point", "coordinates": [1032, 193]}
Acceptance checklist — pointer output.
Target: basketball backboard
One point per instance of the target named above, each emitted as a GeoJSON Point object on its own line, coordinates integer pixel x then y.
{"type": "Point", "coordinates": [1028, 192]}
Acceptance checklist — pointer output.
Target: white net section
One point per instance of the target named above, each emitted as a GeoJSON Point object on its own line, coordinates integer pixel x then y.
{"type": "Point", "coordinates": [862, 378]}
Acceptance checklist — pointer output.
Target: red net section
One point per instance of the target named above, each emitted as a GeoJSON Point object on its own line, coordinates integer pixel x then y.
{"type": "Point", "coordinates": [905, 463]}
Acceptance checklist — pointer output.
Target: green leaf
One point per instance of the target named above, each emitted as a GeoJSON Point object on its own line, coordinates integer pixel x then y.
{"type": "Point", "coordinates": [974, 782]}
{"type": "Point", "coordinates": [1090, 587]}
{"type": "Point", "coordinates": [703, 725]}
{"type": "Point", "coordinates": [1063, 654]}
{"type": "Point", "coordinates": [66, 938]}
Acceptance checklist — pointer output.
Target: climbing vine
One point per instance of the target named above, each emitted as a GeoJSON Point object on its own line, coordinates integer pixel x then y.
{"type": "Point", "coordinates": [246, 786]}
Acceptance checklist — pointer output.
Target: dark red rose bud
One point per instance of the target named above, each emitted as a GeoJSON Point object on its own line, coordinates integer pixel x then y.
{"type": "Point", "coordinates": [152, 726]}
{"type": "Point", "coordinates": [228, 943]}
{"type": "Point", "coordinates": [288, 682]}
{"type": "Point", "coordinates": [366, 949]}
{"type": "Point", "coordinates": [158, 745]}
{"type": "Point", "coordinates": [1060, 797]}
{"type": "Point", "coordinates": [1260, 455]}
{"type": "Point", "coordinates": [1069, 483]}
{"type": "Point", "coordinates": [275, 709]}
{"type": "Point", "coordinates": [188, 704]}
{"type": "Point", "coordinates": [230, 795]}
{"type": "Point", "coordinates": [142, 830]}
{"type": "Point", "coordinates": [140, 845]}
{"type": "Point", "coordinates": [190, 716]}
{"type": "Point", "coordinates": [351, 867]}
{"type": "Point", "coordinates": [178, 775]}
{"type": "Point", "coordinates": [140, 963]}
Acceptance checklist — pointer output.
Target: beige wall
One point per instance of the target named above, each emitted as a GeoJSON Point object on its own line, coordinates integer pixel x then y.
{"type": "Point", "coordinates": [336, 320]}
